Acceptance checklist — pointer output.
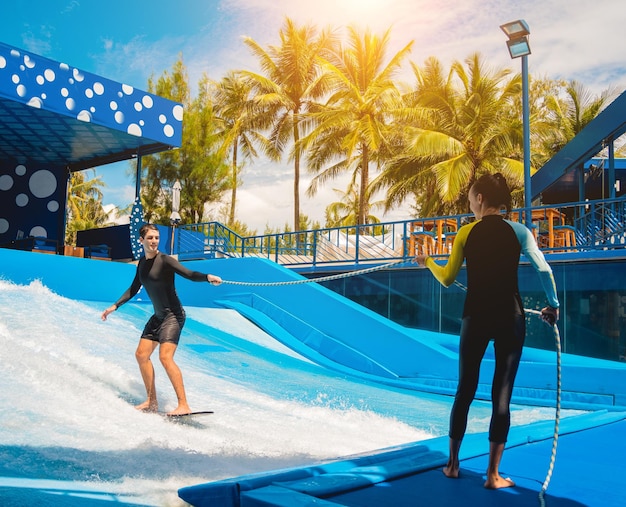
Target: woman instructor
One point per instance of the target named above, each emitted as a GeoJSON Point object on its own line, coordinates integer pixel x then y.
{"type": "Point", "coordinates": [491, 247]}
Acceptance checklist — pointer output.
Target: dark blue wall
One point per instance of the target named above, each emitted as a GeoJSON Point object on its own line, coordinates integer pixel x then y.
{"type": "Point", "coordinates": [32, 200]}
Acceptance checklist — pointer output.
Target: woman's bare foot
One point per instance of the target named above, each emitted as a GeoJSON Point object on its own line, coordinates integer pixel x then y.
{"type": "Point", "coordinates": [451, 471]}
{"type": "Point", "coordinates": [180, 410]}
{"type": "Point", "coordinates": [498, 482]}
{"type": "Point", "coordinates": [148, 406]}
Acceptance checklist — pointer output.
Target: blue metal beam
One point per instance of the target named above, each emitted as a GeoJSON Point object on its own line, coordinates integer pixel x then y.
{"type": "Point", "coordinates": [600, 132]}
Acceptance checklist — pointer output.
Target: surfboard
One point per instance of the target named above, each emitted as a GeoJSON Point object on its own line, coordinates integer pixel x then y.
{"type": "Point", "coordinates": [189, 415]}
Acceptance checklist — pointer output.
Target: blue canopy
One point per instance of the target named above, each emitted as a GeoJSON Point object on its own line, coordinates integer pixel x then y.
{"type": "Point", "coordinates": [56, 119]}
{"type": "Point", "coordinates": [56, 114]}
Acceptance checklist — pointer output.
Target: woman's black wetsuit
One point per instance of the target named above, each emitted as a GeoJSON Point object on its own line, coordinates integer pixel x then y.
{"type": "Point", "coordinates": [493, 309]}
{"type": "Point", "coordinates": [156, 275]}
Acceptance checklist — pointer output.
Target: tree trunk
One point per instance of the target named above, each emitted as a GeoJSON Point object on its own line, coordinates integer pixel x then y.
{"type": "Point", "coordinates": [296, 177]}
{"type": "Point", "coordinates": [233, 193]}
{"type": "Point", "coordinates": [363, 204]}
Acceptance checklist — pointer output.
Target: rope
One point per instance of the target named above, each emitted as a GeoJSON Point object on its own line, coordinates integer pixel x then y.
{"type": "Point", "coordinates": [557, 417]}
{"type": "Point", "coordinates": [321, 279]}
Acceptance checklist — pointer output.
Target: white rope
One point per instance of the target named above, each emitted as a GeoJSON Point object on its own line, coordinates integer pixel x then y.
{"type": "Point", "coordinates": [557, 417]}
{"type": "Point", "coordinates": [321, 279]}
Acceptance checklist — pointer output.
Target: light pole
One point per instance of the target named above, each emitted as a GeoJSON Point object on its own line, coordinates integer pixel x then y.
{"type": "Point", "coordinates": [518, 32]}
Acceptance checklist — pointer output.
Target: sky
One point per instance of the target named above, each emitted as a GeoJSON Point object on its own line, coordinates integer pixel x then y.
{"type": "Point", "coordinates": [129, 41]}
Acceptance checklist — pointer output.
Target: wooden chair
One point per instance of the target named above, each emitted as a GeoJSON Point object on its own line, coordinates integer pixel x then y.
{"type": "Point", "coordinates": [448, 241]}
{"type": "Point", "coordinates": [564, 238]}
{"type": "Point", "coordinates": [425, 243]}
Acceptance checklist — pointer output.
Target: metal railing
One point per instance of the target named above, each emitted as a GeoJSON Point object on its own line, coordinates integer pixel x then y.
{"type": "Point", "coordinates": [581, 226]}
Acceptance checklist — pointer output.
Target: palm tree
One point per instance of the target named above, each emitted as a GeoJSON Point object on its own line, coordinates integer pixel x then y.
{"type": "Point", "coordinates": [197, 164]}
{"type": "Point", "coordinates": [240, 125]}
{"type": "Point", "coordinates": [569, 115]}
{"type": "Point", "coordinates": [355, 126]}
{"type": "Point", "coordinates": [345, 212]}
{"type": "Point", "coordinates": [84, 205]}
{"type": "Point", "coordinates": [464, 126]}
{"type": "Point", "coordinates": [290, 83]}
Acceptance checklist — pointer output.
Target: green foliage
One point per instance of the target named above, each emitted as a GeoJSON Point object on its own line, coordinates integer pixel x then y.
{"type": "Point", "coordinates": [84, 205]}
{"type": "Point", "coordinates": [197, 164]}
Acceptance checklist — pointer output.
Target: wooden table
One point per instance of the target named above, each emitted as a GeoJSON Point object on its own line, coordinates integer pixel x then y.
{"type": "Point", "coordinates": [550, 215]}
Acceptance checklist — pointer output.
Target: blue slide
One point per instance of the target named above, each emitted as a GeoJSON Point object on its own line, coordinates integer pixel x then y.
{"type": "Point", "coordinates": [331, 330]}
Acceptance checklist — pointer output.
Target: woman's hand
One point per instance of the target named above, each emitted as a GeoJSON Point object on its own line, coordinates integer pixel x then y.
{"type": "Point", "coordinates": [213, 279]}
{"type": "Point", "coordinates": [108, 311]}
{"type": "Point", "coordinates": [421, 260]}
{"type": "Point", "coordinates": [550, 315]}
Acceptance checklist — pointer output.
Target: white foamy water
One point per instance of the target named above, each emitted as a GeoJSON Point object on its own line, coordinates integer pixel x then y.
{"type": "Point", "coordinates": [69, 382]}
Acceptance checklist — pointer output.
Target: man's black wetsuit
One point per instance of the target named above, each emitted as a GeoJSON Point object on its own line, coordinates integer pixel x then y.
{"type": "Point", "coordinates": [156, 275]}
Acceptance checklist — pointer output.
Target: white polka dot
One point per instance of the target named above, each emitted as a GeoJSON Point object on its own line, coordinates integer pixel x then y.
{"type": "Point", "coordinates": [53, 206]}
{"type": "Point", "coordinates": [21, 90]}
{"type": "Point", "coordinates": [49, 75]}
{"type": "Point", "coordinates": [89, 93]}
{"type": "Point", "coordinates": [38, 232]}
{"type": "Point", "coordinates": [134, 130]}
{"type": "Point", "coordinates": [20, 170]}
{"type": "Point", "coordinates": [113, 105]}
{"type": "Point", "coordinates": [42, 184]}
{"type": "Point", "coordinates": [64, 92]}
{"type": "Point", "coordinates": [163, 119]}
{"type": "Point", "coordinates": [4, 224]}
{"type": "Point", "coordinates": [147, 101]}
{"type": "Point", "coordinates": [40, 80]}
{"type": "Point", "coordinates": [78, 75]}
{"type": "Point", "coordinates": [177, 111]}
{"type": "Point", "coordinates": [70, 104]}
{"type": "Point", "coordinates": [138, 106]}
{"type": "Point", "coordinates": [127, 89]}
{"type": "Point", "coordinates": [35, 102]}
{"type": "Point", "coordinates": [119, 117]}
{"type": "Point", "coordinates": [6, 182]}
{"type": "Point", "coordinates": [84, 116]}
{"type": "Point", "coordinates": [21, 200]}
{"type": "Point", "coordinates": [3, 62]}
{"type": "Point", "coordinates": [28, 62]}
{"type": "Point", "coordinates": [98, 88]}
{"type": "Point", "coordinates": [168, 130]}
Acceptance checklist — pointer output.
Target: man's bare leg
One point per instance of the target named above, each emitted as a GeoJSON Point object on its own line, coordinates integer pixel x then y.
{"type": "Point", "coordinates": [451, 470]}
{"type": "Point", "coordinates": [142, 354]}
{"type": "Point", "coordinates": [494, 479]}
{"type": "Point", "coordinates": [166, 355]}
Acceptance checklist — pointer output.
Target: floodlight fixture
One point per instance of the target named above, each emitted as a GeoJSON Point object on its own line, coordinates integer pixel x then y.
{"type": "Point", "coordinates": [517, 32]}
{"type": "Point", "coordinates": [515, 29]}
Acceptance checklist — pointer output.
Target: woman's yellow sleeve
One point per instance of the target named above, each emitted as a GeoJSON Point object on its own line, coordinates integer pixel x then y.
{"type": "Point", "coordinates": [446, 274]}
